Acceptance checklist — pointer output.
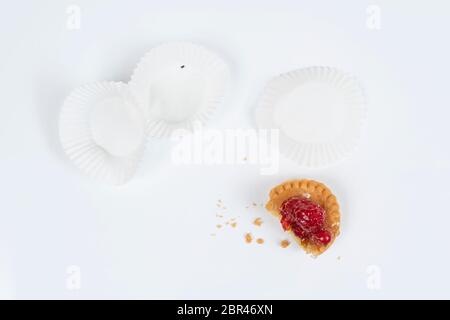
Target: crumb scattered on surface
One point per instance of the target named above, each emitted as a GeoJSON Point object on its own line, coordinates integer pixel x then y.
{"type": "Point", "coordinates": [219, 226]}
{"type": "Point", "coordinates": [259, 241]}
{"type": "Point", "coordinates": [254, 204]}
{"type": "Point", "coordinates": [219, 216]}
{"type": "Point", "coordinates": [339, 258]}
{"type": "Point", "coordinates": [285, 243]}
{"type": "Point", "coordinates": [248, 237]}
{"type": "Point", "coordinates": [233, 224]}
{"type": "Point", "coordinates": [213, 234]}
{"type": "Point", "coordinates": [258, 222]}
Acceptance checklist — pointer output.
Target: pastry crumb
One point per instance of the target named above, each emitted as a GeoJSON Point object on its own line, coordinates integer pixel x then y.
{"type": "Point", "coordinates": [258, 222]}
{"type": "Point", "coordinates": [285, 243]}
{"type": "Point", "coordinates": [213, 234]}
{"type": "Point", "coordinates": [233, 224]}
{"type": "Point", "coordinates": [254, 204]}
{"type": "Point", "coordinates": [339, 258]}
{"type": "Point", "coordinates": [219, 216]}
{"type": "Point", "coordinates": [248, 237]}
{"type": "Point", "coordinates": [259, 241]}
{"type": "Point", "coordinates": [335, 224]}
{"type": "Point", "coordinates": [219, 226]}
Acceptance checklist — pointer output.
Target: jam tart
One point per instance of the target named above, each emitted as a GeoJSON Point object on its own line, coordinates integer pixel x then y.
{"type": "Point", "coordinates": [309, 211]}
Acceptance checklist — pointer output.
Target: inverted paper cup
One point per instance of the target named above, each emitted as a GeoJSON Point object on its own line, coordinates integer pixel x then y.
{"type": "Point", "coordinates": [103, 131]}
{"type": "Point", "coordinates": [319, 112]}
{"type": "Point", "coordinates": [178, 85]}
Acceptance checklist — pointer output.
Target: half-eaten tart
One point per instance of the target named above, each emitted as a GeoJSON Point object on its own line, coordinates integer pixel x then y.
{"type": "Point", "coordinates": [309, 211]}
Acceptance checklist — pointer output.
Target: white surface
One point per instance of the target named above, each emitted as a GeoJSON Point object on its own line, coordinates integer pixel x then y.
{"type": "Point", "coordinates": [151, 238]}
{"type": "Point", "coordinates": [319, 112]}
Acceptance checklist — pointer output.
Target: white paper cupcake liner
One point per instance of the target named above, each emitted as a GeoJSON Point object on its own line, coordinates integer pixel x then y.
{"type": "Point", "coordinates": [103, 131]}
{"type": "Point", "coordinates": [177, 85]}
{"type": "Point", "coordinates": [319, 112]}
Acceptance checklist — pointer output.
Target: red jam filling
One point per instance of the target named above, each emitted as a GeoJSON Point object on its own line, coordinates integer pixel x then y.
{"type": "Point", "coordinates": [306, 219]}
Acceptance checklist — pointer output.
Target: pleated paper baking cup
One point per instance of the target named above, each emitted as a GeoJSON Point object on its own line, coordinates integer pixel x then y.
{"type": "Point", "coordinates": [103, 131]}
{"type": "Point", "coordinates": [319, 112]}
{"type": "Point", "coordinates": [178, 85]}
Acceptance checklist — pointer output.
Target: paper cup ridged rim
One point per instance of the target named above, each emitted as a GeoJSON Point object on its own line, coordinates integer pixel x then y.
{"type": "Point", "coordinates": [179, 54]}
{"type": "Point", "coordinates": [313, 154]}
{"type": "Point", "coordinates": [77, 139]}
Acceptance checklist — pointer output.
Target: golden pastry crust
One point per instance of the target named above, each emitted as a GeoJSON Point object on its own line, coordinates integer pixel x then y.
{"type": "Point", "coordinates": [319, 194]}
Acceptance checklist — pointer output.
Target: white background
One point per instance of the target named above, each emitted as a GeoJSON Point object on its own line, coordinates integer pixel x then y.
{"type": "Point", "coordinates": [151, 238]}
